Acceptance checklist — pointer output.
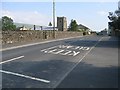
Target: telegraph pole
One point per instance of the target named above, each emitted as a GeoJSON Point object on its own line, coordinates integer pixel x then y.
{"type": "Point", "coordinates": [53, 18]}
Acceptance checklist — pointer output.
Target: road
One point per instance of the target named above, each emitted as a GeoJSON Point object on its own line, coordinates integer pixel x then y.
{"type": "Point", "coordinates": [85, 62]}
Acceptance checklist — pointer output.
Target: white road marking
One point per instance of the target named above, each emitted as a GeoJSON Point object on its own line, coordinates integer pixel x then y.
{"type": "Point", "coordinates": [49, 48]}
{"type": "Point", "coordinates": [63, 50]}
{"type": "Point", "coordinates": [66, 52]}
{"type": "Point", "coordinates": [89, 50]}
{"type": "Point", "coordinates": [59, 52]}
{"type": "Point", "coordinates": [84, 48]}
{"type": "Point", "coordinates": [66, 74]}
{"type": "Point", "coordinates": [65, 46]}
{"type": "Point", "coordinates": [74, 53]}
{"type": "Point", "coordinates": [52, 51]}
{"type": "Point", "coordinates": [11, 59]}
{"type": "Point", "coordinates": [25, 76]}
{"type": "Point", "coordinates": [77, 47]}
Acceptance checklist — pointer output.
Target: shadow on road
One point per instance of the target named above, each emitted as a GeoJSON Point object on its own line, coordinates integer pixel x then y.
{"type": "Point", "coordinates": [83, 76]}
{"type": "Point", "coordinates": [113, 42]}
{"type": "Point", "coordinates": [51, 70]}
{"type": "Point", "coordinates": [89, 76]}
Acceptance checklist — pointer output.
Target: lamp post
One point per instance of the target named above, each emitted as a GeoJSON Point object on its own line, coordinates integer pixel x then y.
{"type": "Point", "coordinates": [53, 18]}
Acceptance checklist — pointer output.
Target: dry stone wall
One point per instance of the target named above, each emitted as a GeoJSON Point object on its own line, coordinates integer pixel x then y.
{"type": "Point", "coordinates": [26, 36]}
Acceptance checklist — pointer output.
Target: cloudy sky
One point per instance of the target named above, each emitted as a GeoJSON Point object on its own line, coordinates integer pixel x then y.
{"type": "Point", "coordinates": [92, 14]}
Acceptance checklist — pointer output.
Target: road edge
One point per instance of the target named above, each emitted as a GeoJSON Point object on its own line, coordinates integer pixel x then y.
{"type": "Point", "coordinates": [43, 42]}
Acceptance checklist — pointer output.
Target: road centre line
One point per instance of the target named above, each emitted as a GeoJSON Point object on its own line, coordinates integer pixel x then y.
{"type": "Point", "coordinates": [25, 76]}
{"type": "Point", "coordinates": [66, 74]}
{"type": "Point", "coordinates": [11, 59]}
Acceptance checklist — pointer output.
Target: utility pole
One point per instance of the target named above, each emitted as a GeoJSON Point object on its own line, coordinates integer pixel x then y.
{"type": "Point", "coordinates": [53, 18]}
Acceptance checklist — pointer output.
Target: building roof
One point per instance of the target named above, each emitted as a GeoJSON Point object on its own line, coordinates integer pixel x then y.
{"type": "Point", "coordinates": [49, 28]}
{"type": "Point", "coordinates": [80, 26]}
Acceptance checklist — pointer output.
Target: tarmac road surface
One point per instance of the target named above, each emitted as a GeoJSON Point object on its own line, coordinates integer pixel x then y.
{"type": "Point", "coordinates": [84, 62]}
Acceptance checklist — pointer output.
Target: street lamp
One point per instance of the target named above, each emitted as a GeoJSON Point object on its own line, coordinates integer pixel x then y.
{"type": "Point", "coordinates": [53, 18]}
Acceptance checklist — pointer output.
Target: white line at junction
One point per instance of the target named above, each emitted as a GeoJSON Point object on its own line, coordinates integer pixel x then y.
{"type": "Point", "coordinates": [25, 76]}
{"type": "Point", "coordinates": [12, 59]}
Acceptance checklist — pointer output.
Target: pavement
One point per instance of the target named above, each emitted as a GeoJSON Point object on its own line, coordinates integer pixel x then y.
{"type": "Point", "coordinates": [83, 62]}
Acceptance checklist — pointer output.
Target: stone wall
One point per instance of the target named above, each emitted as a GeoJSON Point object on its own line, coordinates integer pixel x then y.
{"type": "Point", "coordinates": [65, 34]}
{"type": "Point", "coordinates": [26, 36]}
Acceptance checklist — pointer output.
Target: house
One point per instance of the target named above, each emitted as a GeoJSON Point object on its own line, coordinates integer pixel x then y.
{"type": "Point", "coordinates": [84, 29]}
{"type": "Point", "coordinates": [22, 28]}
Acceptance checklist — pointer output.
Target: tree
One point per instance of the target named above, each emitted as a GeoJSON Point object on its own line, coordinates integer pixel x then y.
{"type": "Point", "coordinates": [50, 24]}
{"type": "Point", "coordinates": [117, 23]}
{"type": "Point", "coordinates": [7, 24]}
{"type": "Point", "coordinates": [73, 26]}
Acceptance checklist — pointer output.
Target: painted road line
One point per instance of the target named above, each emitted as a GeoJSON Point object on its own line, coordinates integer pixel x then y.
{"type": "Point", "coordinates": [25, 76]}
{"type": "Point", "coordinates": [66, 74]}
{"type": "Point", "coordinates": [15, 47]}
{"type": "Point", "coordinates": [64, 50]}
{"type": "Point", "coordinates": [12, 59]}
{"type": "Point", "coordinates": [49, 48]}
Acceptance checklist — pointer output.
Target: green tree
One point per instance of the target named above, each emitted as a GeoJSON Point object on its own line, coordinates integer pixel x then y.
{"type": "Point", "coordinates": [117, 23]}
{"type": "Point", "coordinates": [7, 24]}
{"type": "Point", "coordinates": [73, 26]}
{"type": "Point", "coordinates": [50, 24]}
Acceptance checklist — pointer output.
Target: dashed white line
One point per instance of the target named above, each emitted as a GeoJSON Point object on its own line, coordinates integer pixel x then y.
{"type": "Point", "coordinates": [11, 59]}
{"type": "Point", "coordinates": [25, 76]}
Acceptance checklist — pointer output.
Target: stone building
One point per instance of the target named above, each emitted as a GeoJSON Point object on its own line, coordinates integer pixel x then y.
{"type": "Point", "coordinates": [62, 23]}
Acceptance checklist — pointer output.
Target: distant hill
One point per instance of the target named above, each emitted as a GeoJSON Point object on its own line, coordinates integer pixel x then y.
{"type": "Point", "coordinates": [26, 25]}
{"type": "Point", "coordinates": [31, 26]}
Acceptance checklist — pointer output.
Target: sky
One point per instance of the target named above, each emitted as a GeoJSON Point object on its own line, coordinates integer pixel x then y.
{"type": "Point", "coordinates": [91, 14]}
